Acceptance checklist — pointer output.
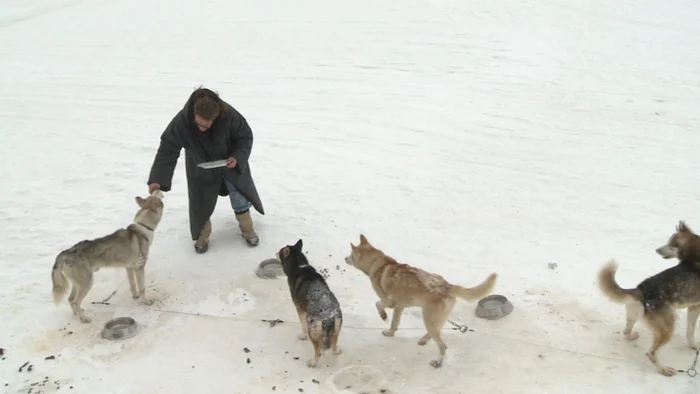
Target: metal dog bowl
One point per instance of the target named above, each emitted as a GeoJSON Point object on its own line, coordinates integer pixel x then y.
{"type": "Point", "coordinates": [269, 269]}
{"type": "Point", "coordinates": [119, 328]}
{"type": "Point", "coordinates": [493, 307]}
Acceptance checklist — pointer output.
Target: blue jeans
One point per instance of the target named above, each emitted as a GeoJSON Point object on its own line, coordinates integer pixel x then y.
{"type": "Point", "coordinates": [239, 203]}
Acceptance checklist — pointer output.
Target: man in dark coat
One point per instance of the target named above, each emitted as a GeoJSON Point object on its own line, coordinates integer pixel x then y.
{"type": "Point", "coordinates": [209, 129]}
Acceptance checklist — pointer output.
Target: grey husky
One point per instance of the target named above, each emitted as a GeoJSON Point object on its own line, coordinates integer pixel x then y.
{"type": "Point", "coordinates": [125, 248]}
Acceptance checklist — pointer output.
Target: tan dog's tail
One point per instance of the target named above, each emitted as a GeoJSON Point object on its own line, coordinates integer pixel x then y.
{"type": "Point", "coordinates": [60, 283]}
{"type": "Point", "coordinates": [607, 283]}
{"type": "Point", "coordinates": [476, 292]}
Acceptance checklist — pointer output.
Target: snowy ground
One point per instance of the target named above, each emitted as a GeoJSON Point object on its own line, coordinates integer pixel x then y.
{"type": "Point", "coordinates": [463, 138]}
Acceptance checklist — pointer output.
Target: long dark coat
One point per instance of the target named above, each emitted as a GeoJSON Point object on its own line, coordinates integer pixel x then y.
{"type": "Point", "coordinates": [228, 136]}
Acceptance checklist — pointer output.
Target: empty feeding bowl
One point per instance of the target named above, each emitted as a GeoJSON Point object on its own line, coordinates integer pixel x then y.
{"type": "Point", "coordinates": [119, 328]}
{"type": "Point", "coordinates": [493, 307]}
{"type": "Point", "coordinates": [269, 269]}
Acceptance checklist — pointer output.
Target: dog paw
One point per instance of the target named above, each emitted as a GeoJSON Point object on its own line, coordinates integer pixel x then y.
{"type": "Point", "coordinates": [436, 363]}
{"type": "Point", "coordinates": [667, 371]}
{"type": "Point", "coordinates": [147, 301]}
{"type": "Point", "coordinates": [337, 350]}
{"type": "Point", "coordinates": [380, 310]}
{"type": "Point", "coordinates": [633, 336]}
{"type": "Point", "coordinates": [312, 363]}
{"type": "Point", "coordinates": [424, 340]}
{"type": "Point", "coordinates": [388, 333]}
{"type": "Point", "coordinates": [135, 296]}
{"type": "Point", "coordinates": [85, 319]}
{"type": "Point", "coordinates": [694, 345]}
{"type": "Point", "coordinates": [201, 247]}
{"type": "Point", "coordinates": [302, 337]}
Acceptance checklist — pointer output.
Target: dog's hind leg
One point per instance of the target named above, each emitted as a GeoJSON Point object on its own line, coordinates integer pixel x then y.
{"type": "Point", "coordinates": [634, 313]}
{"type": "Point", "coordinates": [71, 297]}
{"type": "Point", "coordinates": [131, 276]}
{"type": "Point", "coordinates": [662, 323]}
{"type": "Point", "coordinates": [395, 321]}
{"type": "Point", "coordinates": [140, 274]}
{"type": "Point", "coordinates": [336, 334]}
{"type": "Point", "coordinates": [434, 317]}
{"type": "Point", "coordinates": [316, 336]}
{"type": "Point", "coordinates": [313, 362]}
{"type": "Point", "coordinates": [693, 314]}
{"type": "Point", "coordinates": [303, 335]}
{"type": "Point", "coordinates": [82, 283]}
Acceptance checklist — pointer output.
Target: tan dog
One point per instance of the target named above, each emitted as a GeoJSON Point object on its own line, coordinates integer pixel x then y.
{"type": "Point", "coordinates": [656, 298]}
{"type": "Point", "coordinates": [400, 286]}
{"type": "Point", "coordinates": [125, 248]}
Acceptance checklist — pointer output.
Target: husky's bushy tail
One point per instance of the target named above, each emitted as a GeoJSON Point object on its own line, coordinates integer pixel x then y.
{"type": "Point", "coordinates": [60, 283]}
{"type": "Point", "coordinates": [476, 292]}
{"type": "Point", "coordinates": [609, 287]}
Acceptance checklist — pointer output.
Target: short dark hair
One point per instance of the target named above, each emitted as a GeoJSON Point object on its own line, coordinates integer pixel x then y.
{"type": "Point", "coordinates": [207, 107]}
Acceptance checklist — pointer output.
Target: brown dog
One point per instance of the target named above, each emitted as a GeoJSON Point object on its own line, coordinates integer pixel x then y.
{"type": "Point", "coordinates": [400, 286]}
{"type": "Point", "coordinates": [656, 298]}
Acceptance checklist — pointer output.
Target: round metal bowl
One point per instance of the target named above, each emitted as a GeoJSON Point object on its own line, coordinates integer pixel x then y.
{"type": "Point", "coordinates": [119, 328]}
{"type": "Point", "coordinates": [269, 269]}
{"type": "Point", "coordinates": [494, 306]}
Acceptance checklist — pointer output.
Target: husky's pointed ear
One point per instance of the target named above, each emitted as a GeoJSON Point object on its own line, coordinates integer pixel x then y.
{"type": "Point", "coordinates": [141, 201]}
{"type": "Point", "coordinates": [284, 253]}
{"type": "Point", "coordinates": [363, 240]}
{"type": "Point", "coordinates": [299, 245]}
{"type": "Point", "coordinates": [683, 228]}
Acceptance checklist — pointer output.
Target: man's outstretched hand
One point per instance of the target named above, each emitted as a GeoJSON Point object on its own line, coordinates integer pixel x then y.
{"type": "Point", "coordinates": [152, 187]}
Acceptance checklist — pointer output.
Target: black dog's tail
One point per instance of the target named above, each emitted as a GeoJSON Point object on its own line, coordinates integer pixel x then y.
{"type": "Point", "coordinates": [323, 331]}
{"type": "Point", "coordinates": [329, 330]}
{"type": "Point", "coordinates": [609, 286]}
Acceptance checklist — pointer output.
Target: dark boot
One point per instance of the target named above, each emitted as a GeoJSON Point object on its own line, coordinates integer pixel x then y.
{"type": "Point", "coordinates": [245, 223]}
{"type": "Point", "coordinates": [202, 243]}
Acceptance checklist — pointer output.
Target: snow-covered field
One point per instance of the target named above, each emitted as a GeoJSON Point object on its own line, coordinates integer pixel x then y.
{"type": "Point", "coordinates": [462, 137]}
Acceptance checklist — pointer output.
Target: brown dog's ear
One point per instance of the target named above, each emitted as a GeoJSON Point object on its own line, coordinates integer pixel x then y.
{"type": "Point", "coordinates": [285, 252]}
{"type": "Point", "coordinates": [363, 239]}
{"type": "Point", "coordinates": [683, 228]}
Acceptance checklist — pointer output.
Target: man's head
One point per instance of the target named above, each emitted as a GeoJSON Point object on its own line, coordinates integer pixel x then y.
{"type": "Point", "coordinates": [206, 110]}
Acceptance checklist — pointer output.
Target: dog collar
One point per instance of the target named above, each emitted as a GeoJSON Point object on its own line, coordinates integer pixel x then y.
{"type": "Point", "coordinates": [141, 224]}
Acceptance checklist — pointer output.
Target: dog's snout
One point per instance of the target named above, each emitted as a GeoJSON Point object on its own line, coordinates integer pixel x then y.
{"type": "Point", "coordinates": [667, 252]}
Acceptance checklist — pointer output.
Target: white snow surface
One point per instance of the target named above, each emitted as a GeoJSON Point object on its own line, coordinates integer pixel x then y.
{"type": "Point", "coordinates": [461, 137]}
